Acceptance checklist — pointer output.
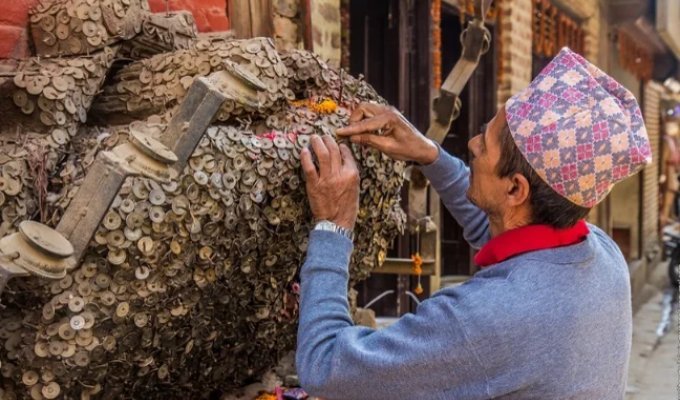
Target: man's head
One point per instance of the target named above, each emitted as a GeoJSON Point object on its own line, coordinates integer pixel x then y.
{"type": "Point", "coordinates": [558, 147]}
{"type": "Point", "coordinates": [506, 187]}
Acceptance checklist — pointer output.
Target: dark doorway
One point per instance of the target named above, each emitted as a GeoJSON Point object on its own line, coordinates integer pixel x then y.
{"type": "Point", "coordinates": [389, 45]}
{"type": "Point", "coordinates": [374, 45]}
{"type": "Point", "coordinates": [479, 106]}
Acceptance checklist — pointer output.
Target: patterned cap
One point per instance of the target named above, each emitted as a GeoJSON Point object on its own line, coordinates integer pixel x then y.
{"type": "Point", "coordinates": [579, 129]}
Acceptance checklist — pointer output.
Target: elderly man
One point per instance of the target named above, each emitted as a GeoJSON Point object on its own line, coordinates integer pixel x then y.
{"type": "Point", "coordinates": [548, 316]}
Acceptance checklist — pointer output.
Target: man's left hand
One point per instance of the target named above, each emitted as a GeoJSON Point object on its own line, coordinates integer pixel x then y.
{"type": "Point", "coordinates": [333, 188]}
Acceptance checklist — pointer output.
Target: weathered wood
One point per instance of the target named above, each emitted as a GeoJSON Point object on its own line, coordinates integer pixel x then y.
{"type": "Point", "coordinates": [239, 17]}
{"type": "Point", "coordinates": [88, 207]}
{"type": "Point", "coordinates": [161, 33]}
{"type": "Point", "coordinates": [307, 24]}
{"type": "Point", "coordinates": [261, 17]}
{"type": "Point", "coordinates": [192, 119]}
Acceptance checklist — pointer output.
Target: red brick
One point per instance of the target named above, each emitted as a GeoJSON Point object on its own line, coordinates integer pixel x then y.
{"type": "Point", "coordinates": [217, 19]}
{"type": "Point", "coordinates": [210, 15]}
{"type": "Point", "coordinates": [13, 42]}
{"type": "Point", "coordinates": [15, 12]}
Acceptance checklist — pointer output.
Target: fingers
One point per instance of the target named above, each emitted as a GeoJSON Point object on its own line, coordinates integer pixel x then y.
{"type": "Point", "coordinates": [334, 153]}
{"type": "Point", "coordinates": [311, 175]}
{"type": "Point", "coordinates": [368, 125]}
{"type": "Point", "coordinates": [322, 155]}
{"type": "Point", "coordinates": [348, 161]}
{"type": "Point", "coordinates": [381, 143]}
{"type": "Point", "coordinates": [366, 110]}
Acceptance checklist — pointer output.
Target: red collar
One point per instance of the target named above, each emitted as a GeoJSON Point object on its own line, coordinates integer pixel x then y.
{"type": "Point", "coordinates": [526, 239]}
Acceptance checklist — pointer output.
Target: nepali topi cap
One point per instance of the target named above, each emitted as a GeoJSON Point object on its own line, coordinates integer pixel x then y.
{"type": "Point", "coordinates": [579, 129]}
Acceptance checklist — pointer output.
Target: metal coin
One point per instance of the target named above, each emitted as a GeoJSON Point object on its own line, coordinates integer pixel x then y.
{"type": "Point", "coordinates": [132, 234]}
{"type": "Point", "coordinates": [157, 197]}
{"type": "Point", "coordinates": [157, 214]}
{"type": "Point", "coordinates": [89, 319]}
{"type": "Point", "coordinates": [76, 304]}
{"type": "Point", "coordinates": [122, 309]}
{"type": "Point", "coordinates": [19, 80]}
{"type": "Point", "coordinates": [146, 245]}
{"type": "Point", "coordinates": [116, 238]}
{"type": "Point", "coordinates": [56, 347]}
{"type": "Point", "coordinates": [117, 256]}
{"type": "Point", "coordinates": [142, 273]}
{"type": "Point", "coordinates": [30, 378]}
{"type": "Point", "coordinates": [47, 23]}
{"type": "Point", "coordinates": [141, 319]}
{"type": "Point", "coordinates": [51, 390]}
{"type": "Point", "coordinates": [95, 13]}
{"type": "Point", "coordinates": [36, 392]}
{"type": "Point", "coordinates": [82, 358]}
{"type": "Point", "coordinates": [77, 322]}
{"type": "Point", "coordinates": [28, 108]}
{"type": "Point", "coordinates": [66, 332]}
{"type": "Point", "coordinates": [107, 298]}
{"type": "Point", "coordinates": [20, 98]}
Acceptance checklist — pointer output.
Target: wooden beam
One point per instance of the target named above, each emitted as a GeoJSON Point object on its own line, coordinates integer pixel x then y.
{"type": "Point", "coordinates": [307, 24]}
{"type": "Point", "coordinates": [404, 266]}
{"type": "Point", "coordinates": [261, 18]}
{"type": "Point", "coordinates": [240, 18]}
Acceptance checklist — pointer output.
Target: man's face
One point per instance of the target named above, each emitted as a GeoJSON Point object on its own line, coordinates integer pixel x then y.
{"type": "Point", "coordinates": [487, 191]}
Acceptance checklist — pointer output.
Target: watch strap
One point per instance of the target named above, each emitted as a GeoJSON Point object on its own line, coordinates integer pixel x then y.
{"type": "Point", "coordinates": [325, 225]}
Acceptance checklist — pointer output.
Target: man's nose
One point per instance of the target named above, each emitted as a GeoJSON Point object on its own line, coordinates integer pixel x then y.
{"type": "Point", "coordinates": [471, 144]}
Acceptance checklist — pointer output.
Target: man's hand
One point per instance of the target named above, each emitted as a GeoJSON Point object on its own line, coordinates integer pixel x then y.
{"type": "Point", "coordinates": [385, 129]}
{"type": "Point", "coordinates": [333, 189]}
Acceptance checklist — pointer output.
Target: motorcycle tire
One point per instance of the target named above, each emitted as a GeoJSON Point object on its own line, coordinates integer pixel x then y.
{"type": "Point", "coordinates": [674, 267]}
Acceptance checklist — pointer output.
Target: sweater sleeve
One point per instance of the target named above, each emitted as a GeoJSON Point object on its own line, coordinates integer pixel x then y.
{"type": "Point", "coordinates": [450, 177]}
{"type": "Point", "coordinates": [422, 355]}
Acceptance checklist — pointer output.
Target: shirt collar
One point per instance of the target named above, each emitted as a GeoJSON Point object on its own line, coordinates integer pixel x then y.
{"type": "Point", "coordinates": [527, 239]}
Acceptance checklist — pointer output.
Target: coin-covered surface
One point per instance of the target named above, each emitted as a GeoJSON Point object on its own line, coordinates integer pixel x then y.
{"type": "Point", "coordinates": [80, 27]}
{"type": "Point", "coordinates": [159, 83]}
{"type": "Point", "coordinates": [189, 288]}
{"type": "Point", "coordinates": [52, 95]}
{"type": "Point", "coordinates": [160, 33]}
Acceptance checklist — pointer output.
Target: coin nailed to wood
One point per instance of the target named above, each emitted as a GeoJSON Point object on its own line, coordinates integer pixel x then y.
{"type": "Point", "coordinates": [78, 27]}
{"type": "Point", "coordinates": [188, 288]}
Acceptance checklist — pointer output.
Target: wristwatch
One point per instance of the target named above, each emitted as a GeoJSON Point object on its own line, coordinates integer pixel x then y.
{"type": "Point", "coordinates": [325, 225]}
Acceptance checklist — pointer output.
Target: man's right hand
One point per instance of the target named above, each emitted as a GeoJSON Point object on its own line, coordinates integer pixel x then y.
{"type": "Point", "coordinates": [385, 129]}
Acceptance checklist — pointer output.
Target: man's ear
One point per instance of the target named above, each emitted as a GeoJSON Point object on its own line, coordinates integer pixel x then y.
{"type": "Point", "coordinates": [518, 191]}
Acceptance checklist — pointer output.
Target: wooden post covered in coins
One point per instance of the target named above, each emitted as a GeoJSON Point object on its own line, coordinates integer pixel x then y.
{"type": "Point", "coordinates": [88, 207]}
{"type": "Point", "coordinates": [151, 158]}
{"type": "Point", "coordinates": [192, 119]}
{"type": "Point", "coordinates": [203, 101]}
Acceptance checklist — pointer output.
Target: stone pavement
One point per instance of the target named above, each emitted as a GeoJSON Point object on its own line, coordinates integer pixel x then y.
{"type": "Point", "coordinates": [653, 372]}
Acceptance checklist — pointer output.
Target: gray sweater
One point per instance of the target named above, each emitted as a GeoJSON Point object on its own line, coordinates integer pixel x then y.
{"type": "Point", "coordinates": [549, 324]}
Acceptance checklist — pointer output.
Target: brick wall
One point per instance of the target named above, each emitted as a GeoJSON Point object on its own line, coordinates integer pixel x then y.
{"type": "Point", "coordinates": [516, 41]}
{"type": "Point", "coordinates": [13, 32]}
{"type": "Point", "coordinates": [210, 15]}
{"type": "Point", "coordinates": [589, 12]}
{"type": "Point", "coordinates": [515, 37]}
